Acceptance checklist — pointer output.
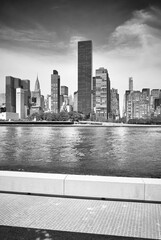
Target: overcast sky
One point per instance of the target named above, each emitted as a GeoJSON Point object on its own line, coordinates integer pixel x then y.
{"type": "Point", "coordinates": [37, 36]}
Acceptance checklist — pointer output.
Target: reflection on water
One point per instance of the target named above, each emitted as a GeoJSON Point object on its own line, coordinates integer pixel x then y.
{"type": "Point", "coordinates": [117, 151]}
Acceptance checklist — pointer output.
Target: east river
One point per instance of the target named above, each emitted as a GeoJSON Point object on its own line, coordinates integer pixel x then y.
{"type": "Point", "coordinates": [105, 151]}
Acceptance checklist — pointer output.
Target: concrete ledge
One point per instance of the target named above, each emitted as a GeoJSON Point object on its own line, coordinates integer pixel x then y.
{"type": "Point", "coordinates": [140, 189]}
{"type": "Point", "coordinates": [105, 187]}
{"type": "Point", "coordinates": [38, 183]}
{"type": "Point", "coordinates": [152, 189]}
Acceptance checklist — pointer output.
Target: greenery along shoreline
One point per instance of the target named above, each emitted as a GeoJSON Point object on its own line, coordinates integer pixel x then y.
{"type": "Point", "coordinates": [76, 117]}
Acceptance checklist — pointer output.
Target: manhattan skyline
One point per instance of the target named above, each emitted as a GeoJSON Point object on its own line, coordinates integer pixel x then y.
{"type": "Point", "coordinates": [39, 36]}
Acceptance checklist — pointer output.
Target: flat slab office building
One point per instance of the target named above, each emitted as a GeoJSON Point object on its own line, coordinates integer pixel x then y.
{"type": "Point", "coordinates": [84, 76]}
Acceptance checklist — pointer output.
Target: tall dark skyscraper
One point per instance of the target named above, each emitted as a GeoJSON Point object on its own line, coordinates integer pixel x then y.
{"type": "Point", "coordinates": [85, 103]}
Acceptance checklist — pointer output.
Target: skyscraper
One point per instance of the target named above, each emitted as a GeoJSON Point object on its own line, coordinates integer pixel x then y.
{"type": "Point", "coordinates": [102, 93]}
{"type": "Point", "coordinates": [115, 104]}
{"type": "Point", "coordinates": [36, 94]}
{"type": "Point", "coordinates": [36, 100]}
{"type": "Point", "coordinates": [20, 107]}
{"type": "Point", "coordinates": [75, 107]}
{"type": "Point", "coordinates": [85, 103]}
{"type": "Point", "coordinates": [27, 95]}
{"type": "Point", "coordinates": [64, 94]}
{"type": "Point", "coordinates": [55, 92]}
{"type": "Point", "coordinates": [130, 84]}
{"type": "Point", "coordinates": [11, 85]}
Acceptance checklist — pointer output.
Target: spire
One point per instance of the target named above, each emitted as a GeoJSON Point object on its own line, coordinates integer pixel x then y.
{"type": "Point", "coordinates": [37, 84]}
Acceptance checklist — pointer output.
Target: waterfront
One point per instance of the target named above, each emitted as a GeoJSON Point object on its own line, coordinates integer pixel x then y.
{"type": "Point", "coordinates": [106, 151]}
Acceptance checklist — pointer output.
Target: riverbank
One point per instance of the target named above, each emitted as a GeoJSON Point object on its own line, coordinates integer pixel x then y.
{"type": "Point", "coordinates": [2, 123]}
{"type": "Point", "coordinates": [74, 124]}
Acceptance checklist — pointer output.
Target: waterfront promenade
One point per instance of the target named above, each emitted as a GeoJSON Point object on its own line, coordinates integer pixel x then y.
{"type": "Point", "coordinates": [75, 218]}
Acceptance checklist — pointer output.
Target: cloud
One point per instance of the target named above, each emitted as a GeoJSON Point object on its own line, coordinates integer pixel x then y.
{"type": "Point", "coordinates": [33, 40]}
{"type": "Point", "coordinates": [141, 32]}
{"type": "Point", "coordinates": [74, 41]}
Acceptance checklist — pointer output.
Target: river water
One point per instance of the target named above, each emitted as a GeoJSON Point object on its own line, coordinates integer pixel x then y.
{"type": "Point", "coordinates": [105, 151]}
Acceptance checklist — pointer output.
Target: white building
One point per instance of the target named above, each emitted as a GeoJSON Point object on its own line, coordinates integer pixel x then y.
{"type": "Point", "coordinates": [20, 107]}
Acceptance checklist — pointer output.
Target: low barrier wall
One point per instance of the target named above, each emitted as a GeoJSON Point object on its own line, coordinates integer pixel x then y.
{"type": "Point", "coordinates": [125, 188]}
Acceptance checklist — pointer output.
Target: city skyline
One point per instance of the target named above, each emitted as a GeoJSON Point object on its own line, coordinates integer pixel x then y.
{"type": "Point", "coordinates": [126, 41]}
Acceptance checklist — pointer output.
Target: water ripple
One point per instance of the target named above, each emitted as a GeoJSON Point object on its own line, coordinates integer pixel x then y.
{"type": "Point", "coordinates": [107, 151]}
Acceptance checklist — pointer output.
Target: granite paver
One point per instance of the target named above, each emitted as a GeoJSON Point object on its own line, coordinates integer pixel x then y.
{"type": "Point", "coordinates": [120, 218]}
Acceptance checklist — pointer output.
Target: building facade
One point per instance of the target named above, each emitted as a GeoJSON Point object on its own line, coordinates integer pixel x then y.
{"type": "Point", "coordinates": [11, 85]}
{"type": "Point", "coordinates": [64, 99]}
{"type": "Point", "coordinates": [115, 110]}
{"type": "Point", "coordinates": [36, 99]}
{"type": "Point", "coordinates": [64, 90]}
{"type": "Point", "coordinates": [20, 106]}
{"type": "Point", "coordinates": [2, 99]}
{"type": "Point", "coordinates": [75, 105]}
{"type": "Point", "coordinates": [101, 94]}
{"type": "Point", "coordinates": [85, 77]}
{"type": "Point", "coordinates": [27, 95]}
{"type": "Point", "coordinates": [130, 84]}
{"type": "Point", "coordinates": [55, 92]}
{"type": "Point", "coordinates": [142, 105]}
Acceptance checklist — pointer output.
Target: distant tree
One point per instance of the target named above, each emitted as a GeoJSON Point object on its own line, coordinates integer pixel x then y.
{"type": "Point", "coordinates": [75, 116]}
{"type": "Point", "coordinates": [63, 116]}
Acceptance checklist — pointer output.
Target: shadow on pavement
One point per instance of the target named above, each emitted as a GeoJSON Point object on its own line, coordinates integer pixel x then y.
{"type": "Point", "coordinates": [18, 233]}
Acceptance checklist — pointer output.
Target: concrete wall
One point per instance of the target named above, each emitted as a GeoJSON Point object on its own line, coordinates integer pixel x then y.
{"type": "Point", "coordinates": [37, 183]}
{"type": "Point", "coordinates": [104, 187]}
{"type": "Point", "coordinates": [141, 189]}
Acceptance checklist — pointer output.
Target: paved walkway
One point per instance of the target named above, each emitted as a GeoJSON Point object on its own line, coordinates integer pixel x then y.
{"type": "Point", "coordinates": [129, 219]}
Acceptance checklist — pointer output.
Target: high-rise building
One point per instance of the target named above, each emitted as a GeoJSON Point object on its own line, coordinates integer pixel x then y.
{"type": "Point", "coordinates": [136, 96]}
{"type": "Point", "coordinates": [128, 105]}
{"type": "Point", "coordinates": [94, 94]}
{"type": "Point", "coordinates": [27, 95]}
{"type": "Point", "coordinates": [36, 94]}
{"type": "Point", "coordinates": [61, 101]}
{"type": "Point", "coordinates": [11, 85]}
{"type": "Point", "coordinates": [64, 93]}
{"type": "Point", "coordinates": [85, 77]}
{"type": "Point", "coordinates": [64, 90]}
{"type": "Point", "coordinates": [55, 92]}
{"type": "Point", "coordinates": [20, 106]}
{"type": "Point", "coordinates": [75, 105]}
{"type": "Point", "coordinates": [115, 104]}
{"type": "Point", "coordinates": [156, 98]}
{"type": "Point", "coordinates": [36, 99]}
{"type": "Point", "coordinates": [145, 103]}
{"type": "Point", "coordinates": [130, 84]}
{"type": "Point", "coordinates": [102, 94]}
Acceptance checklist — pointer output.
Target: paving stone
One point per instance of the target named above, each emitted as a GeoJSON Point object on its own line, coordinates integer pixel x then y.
{"type": "Point", "coordinates": [129, 219]}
